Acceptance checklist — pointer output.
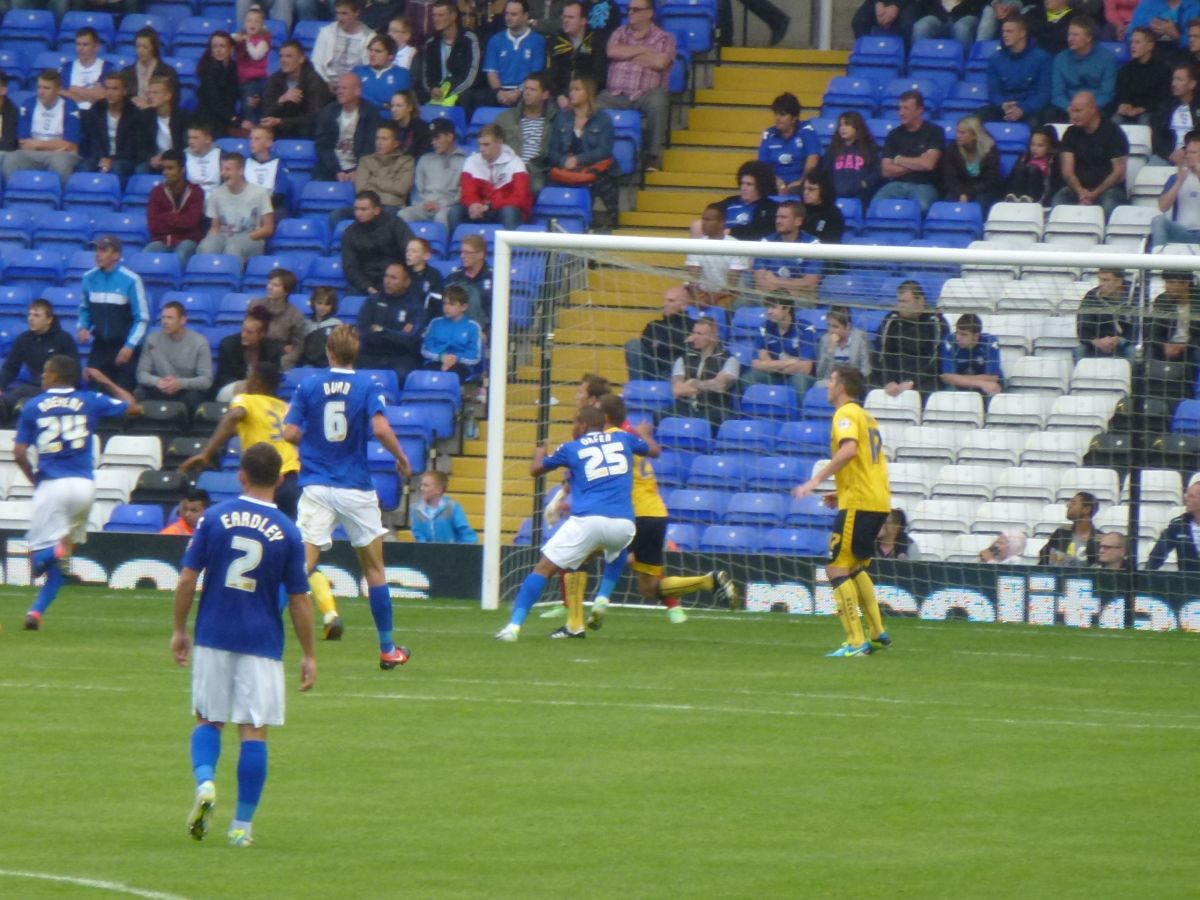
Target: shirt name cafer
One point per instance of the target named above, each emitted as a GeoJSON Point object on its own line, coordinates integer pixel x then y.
{"type": "Point", "coordinates": [257, 521]}
{"type": "Point", "coordinates": [337, 387]}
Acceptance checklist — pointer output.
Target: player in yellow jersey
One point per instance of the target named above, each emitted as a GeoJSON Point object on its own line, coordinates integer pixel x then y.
{"type": "Point", "coordinates": [651, 520]}
{"type": "Point", "coordinates": [256, 416]}
{"type": "Point", "coordinates": [863, 499]}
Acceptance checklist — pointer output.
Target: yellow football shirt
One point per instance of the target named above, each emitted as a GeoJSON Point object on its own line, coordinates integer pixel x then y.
{"type": "Point", "coordinates": [264, 422]}
{"type": "Point", "coordinates": [863, 482]}
{"type": "Point", "coordinates": [646, 499]}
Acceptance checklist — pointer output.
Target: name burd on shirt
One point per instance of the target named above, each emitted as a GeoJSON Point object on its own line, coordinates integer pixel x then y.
{"type": "Point", "coordinates": [256, 521]}
{"type": "Point", "coordinates": [337, 387]}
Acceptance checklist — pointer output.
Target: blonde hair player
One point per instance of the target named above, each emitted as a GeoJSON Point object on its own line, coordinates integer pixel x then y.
{"type": "Point", "coordinates": [863, 500]}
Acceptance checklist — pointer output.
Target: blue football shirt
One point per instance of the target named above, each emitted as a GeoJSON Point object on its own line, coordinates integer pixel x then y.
{"type": "Point", "coordinates": [60, 424]}
{"type": "Point", "coordinates": [601, 467]}
{"type": "Point", "coordinates": [334, 410]}
{"type": "Point", "coordinates": [798, 342]}
{"type": "Point", "coordinates": [788, 155]}
{"type": "Point", "coordinates": [790, 268]}
{"type": "Point", "coordinates": [247, 549]}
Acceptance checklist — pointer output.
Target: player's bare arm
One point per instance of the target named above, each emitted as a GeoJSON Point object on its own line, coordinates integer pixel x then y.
{"type": "Point", "coordinates": [21, 456]}
{"type": "Point", "coordinates": [292, 434]}
{"type": "Point", "coordinates": [300, 610]}
{"type": "Point", "coordinates": [847, 450]}
{"type": "Point", "coordinates": [225, 429]}
{"type": "Point", "coordinates": [185, 593]}
{"type": "Point", "coordinates": [110, 387]}
{"type": "Point", "coordinates": [537, 465]}
{"type": "Point", "coordinates": [384, 434]}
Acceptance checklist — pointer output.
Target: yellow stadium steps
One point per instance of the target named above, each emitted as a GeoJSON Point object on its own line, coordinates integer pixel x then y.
{"type": "Point", "coordinates": [747, 140]}
{"type": "Point", "coordinates": [603, 321]}
{"type": "Point", "coordinates": [781, 56]}
{"type": "Point", "coordinates": [718, 181]}
{"type": "Point", "coordinates": [624, 282]}
{"type": "Point", "coordinates": [659, 219]}
{"type": "Point", "coordinates": [721, 162]}
{"type": "Point", "coordinates": [730, 120]}
{"type": "Point", "coordinates": [677, 202]}
{"type": "Point", "coordinates": [761, 80]}
{"type": "Point", "coordinates": [759, 99]}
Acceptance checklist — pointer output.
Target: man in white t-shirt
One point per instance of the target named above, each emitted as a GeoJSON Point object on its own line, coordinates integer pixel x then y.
{"type": "Point", "coordinates": [241, 213]}
{"type": "Point", "coordinates": [202, 158]}
{"type": "Point", "coordinates": [48, 132]}
{"type": "Point", "coordinates": [342, 44]}
{"type": "Point", "coordinates": [715, 275]}
{"type": "Point", "coordinates": [1180, 201]}
{"type": "Point", "coordinates": [83, 77]}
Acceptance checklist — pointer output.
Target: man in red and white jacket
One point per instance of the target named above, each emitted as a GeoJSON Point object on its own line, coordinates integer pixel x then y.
{"type": "Point", "coordinates": [495, 185]}
{"type": "Point", "coordinates": [175, 211]}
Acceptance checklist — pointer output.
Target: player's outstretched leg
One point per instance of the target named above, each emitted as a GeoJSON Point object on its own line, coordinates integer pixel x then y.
{"type": "Point", "coordinates": [528, 594]}
{"type": "Point", "coordinates": [252, 776]}
{"type": "Point", "coordinates": [205, 751]}
{"type": "Point", "coordinates": [846, 597]}
{"type": "Point", "coordinates": [380, 599]}
{"type": "Point", "coordinates": [870, 608]}
{"type": "Point", "coordinates": [47, 561]}
{"type": "Point", "coordinates": [608, 584]}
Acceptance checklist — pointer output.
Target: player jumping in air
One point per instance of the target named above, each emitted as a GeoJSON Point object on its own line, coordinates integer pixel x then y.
{"type": "Point", "coordinates": [863, 500]}
{"type": "Point", "coordinates": [255, 416]}
{"type": "Point", "coordinates": [332, 417]}
{"type": "Point", "coordinates": [601, 466]}
{"type": "Point", "coordinates": [247, 550]}
{"type": "Point", "coordinates": [59, 425]}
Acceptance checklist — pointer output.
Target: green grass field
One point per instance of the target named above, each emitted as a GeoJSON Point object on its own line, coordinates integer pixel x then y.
{"type": "Point", "coordinates": [723, 758]}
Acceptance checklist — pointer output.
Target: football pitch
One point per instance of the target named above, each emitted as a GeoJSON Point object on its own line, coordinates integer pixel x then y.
{"type": "Point", "coordinates": [724, 758]}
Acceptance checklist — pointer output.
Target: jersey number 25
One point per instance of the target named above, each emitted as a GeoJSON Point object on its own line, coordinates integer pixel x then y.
{"type": "Point", "coordinates": [602, 461]}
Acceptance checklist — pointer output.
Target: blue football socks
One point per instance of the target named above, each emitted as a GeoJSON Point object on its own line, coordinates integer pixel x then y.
{"type": "Point", "coordinates": [381, 611]}
{"type": "Point", "coordinates": [206, 750]}
{"type": "Point", "coordinates": [610, 575]}
{"type": "Point", "coordinates": [531, 590]}
{"type": "Point", "coordinates": [42, 560]}
{"type": "Point", "coordinates": [252, 775]}
{"type": "Point", "coordinates": [49, 590]}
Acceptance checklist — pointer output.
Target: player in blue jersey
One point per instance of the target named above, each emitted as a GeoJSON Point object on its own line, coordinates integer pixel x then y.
{"type": "Point", "coordinates": [59, 425]}
{"type": "Point", "coordinates": [332, 417]}
{"type": "Point", "coordinates": [248, 551]}
{"type": "Point", "coordinates": [601, 466]}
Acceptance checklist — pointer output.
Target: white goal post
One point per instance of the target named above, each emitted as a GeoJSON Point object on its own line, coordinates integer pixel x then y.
{"type": "Point", "coordinates": [509, 245]}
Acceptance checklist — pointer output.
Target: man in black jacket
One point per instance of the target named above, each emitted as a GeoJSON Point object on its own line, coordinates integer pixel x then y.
{"type": "Point", "coordinates": [294, 96]}
{"type": "Point", "coordinates": [1076, 544]}
{"type": "Point", "coordinates": [663, 341]}
{"type": "Point", "coordinates": [1105, 321]}
{"type": "Point", "coordinates": [345, 132]}
{"type": "Point", "coordinates": [391, 323]}
{"type": "Point", "coordinates": [372, 243]}
{"type": "Point", "coordinates": [575, 52]}
{"type": "Point", "coordinates": [10, 116]}
{"type": "Point", "coordinates": [21, 374]}
{"type": "Point", "coordinates": [105, 148]}
{"type": "Point", "coordinates": [1182, 536]}
{"type": "Point", "coordinates": [161, 126]}
{"type": "Point", "coordinates": [909, 347]}
{"type": "Point", "coordinates": [238, 353]}
{"type": "Point", "coordinates": [439, 80]}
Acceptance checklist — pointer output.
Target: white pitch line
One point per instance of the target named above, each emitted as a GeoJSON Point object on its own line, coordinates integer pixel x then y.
{"type": "Point", "coordinates": [112, 886]}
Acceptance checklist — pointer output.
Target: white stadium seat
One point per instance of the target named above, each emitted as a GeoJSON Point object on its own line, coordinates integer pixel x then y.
{"type": "Point", "coordinates": [1102, 483]}
{"type": "Point", "coordinates": [1074, 226]}
{"type": "Point", "coordinates": [1149, 185]}
{"type": "Point", "coordinates": [967, 547]}
{"type": "Point", "coordinates": [142, 451]}
{"type": "Point", "coordinates": [1052, 517]}
{"type": "Point", "coordinates": [929, 443]}
{"type": "Point", "coordinates": [1011, 331]}
{"type": "Point", "coordinates": [1019, 410]}
{"type": "Point", "coordinates": [995, 446]}
{"type": "Point", "coordinates": [1022, 222]}
{"type": "Point", "coordinates": [1039, 373]}
{"type": "Point", "coordinates": [998, 515]}
{"type": "Point", "coordinates": [1158, 486]}
{"type": "Point", "coordinates": [964, 295]}
{"type": "Point", "coordinates": [931, 545]}
{"type": "Point", "coordinates": [1102, 376]}
{"type": "Point", "coordinates": [1087, 411]}
{"type": "Point", "coordinates": [957, 481]}
{"type": "Point", "coordinates": [954, 409]}
{"type": "Point", "coordinates": [911, 479]}
{"type": "Point", "coordinates": [1027, 483]}
{"type": "Point", "coordinates": [1056, 336]}
{"type": "Point", "coordinates": [943, 516]}
{"type": "Point", "coordinates": [15, 514]}
{"type": "Point", "coordinates": [116, 483]}
{"type": "Point", "coordinates": [1057, 448]}
{"type": "Point", "coordinates": [905, 407]}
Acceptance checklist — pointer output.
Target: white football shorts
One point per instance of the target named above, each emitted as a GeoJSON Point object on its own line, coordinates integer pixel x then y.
{"type": "Point", "coordinates": [580, 536]}
{"type": "Point", "coordinates": [60, 509]}
{"type": "Point", "coordinates": [322, 508]}
{"type": "Point", "coordinates": [237, 687]}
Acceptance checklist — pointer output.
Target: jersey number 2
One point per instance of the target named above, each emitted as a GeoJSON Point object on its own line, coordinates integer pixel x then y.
{"type": "Point", "coordinates": [235, 574]}
{"type": "Point", "coordinates": [336, 426]}
{"type": "Point", "coordinates": [600, 462]}
{"type": "Point", "coordinates": [53, 431]}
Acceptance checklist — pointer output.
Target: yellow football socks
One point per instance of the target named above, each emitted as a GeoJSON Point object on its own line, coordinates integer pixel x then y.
{"type": "Point", "coordinates": [869, 604]}
{"type": "Point", "coordinates": [847, 602]}
{"type": "Point", "coordinates": [319, 585]}
{"type": "Point", "coordinates": [685, 584]}
{"type": "Point", "coordinates": [575, 587]}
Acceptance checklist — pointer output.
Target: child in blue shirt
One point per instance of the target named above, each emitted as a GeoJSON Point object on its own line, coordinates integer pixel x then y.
{"type": "Point", "coordinates": [437, 518]}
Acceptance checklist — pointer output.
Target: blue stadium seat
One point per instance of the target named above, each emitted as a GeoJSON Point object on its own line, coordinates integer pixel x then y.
{"type": "Point", "coordinates": [1187, 418]}
{"type": "Point", "coordinates": [46, 59]}
{"type": "Point", "coordinates": [756, 508]}
{"type": "Point", "coordinates": [770, 401]}
{"type": "Point", "coordinates": [259, 267]}
{"type": "Point", "coordinates": [325, 271]}
{"type": "Point", "coordinates": [809, 512]}
{"type": "Point", "coordinates": [679, 433]}
{"type": "Point", "coordinates": [487, 232]}
{"type": "Point", "coordinates": [195, 31]}
{"type": "Point", "coordinates": [672, 468]}
{"type": "Point", "coordinates": [410, 420]}
{"type": "Point", "coordinates": [852, 213]}
{"type": "Point", "coordinates": [484, 115]}
{"type": "Point", "coordinates": [746, 435]}
{"type": "Point", "coordinates": [825, 129]}
{"type": "Point", "coordinates": [776, 473]}
{"type": "Point", "coordinates": [231, 308]}
{"type": "Point", "coordinates": [220, 485]}
{"type": "Point", "coordinates": [816, 404]}
{"type": "Point", "coordinates": [217, 271]}
{"type": "Point", "coordinates": [681, 68]}
{"type": "Point", "coordinates": [1010, 137]}
{"type": "Point", "coordinates": [300, 234]}
{"type": "Point", "coordinates": [439, 414]}
{"type": "Point", "coordinates": [930, 89]}
{"type": "Point", "coordinates": [945, 217]}
{"type": "Point", "coordinates": [79, 263]}
{"type": "Point", "coordinates": [682, 536]}
{"type": "Point", "coordinates": [796, 542]}
{"type": "Point", "coordinates": [137, 192]}
{"type": "Point", "coordinates": [293, 378]}
{"type": "Point", "coordinates": [387, 380]}
{"type": "Point", "coordinates": [965, 98]}
{"type": "Point", "coordinates": [433, 232]}
{"type": "Point", "coordinates": [199, 306]}
{"type": "Point", "coordinates": [807, 437]}
{"type": "Point", "coordinates": [11, 328]}
{"type": "Point", "coordinates": [160, 271]}
{"type": "Point", "coordinates": [417, 451]}
{"type": "Point", "coordinates": [184, 66]}
{"type": "Point", "coordinates": [977, 60]}
{"type": "Point", "coordinates": [454, 113]}
{"type": "Point", "coordinates": [387, 488]}
{"type": "Point", "coordinates": [61, 231]}
{"type": "Point", "coordinates": [899, 219]}
{"type": "Point", "coordinates": [230, 459]}
{"type": "Point", "coordinates": [12, 64]}
{"type": "Point", "coordinates": [35, 268]}
{"type": "Point", "coordinates": [747, 321]}
{"type": "Point", "coordinates": [138, 518]}
{"type": "Point", "coordinates": [1119, 49]}
{"type": "Point", "coordinates": [527, 276]}
{"type": "Point", "coordinates": [101, 22]}
{"type": "Point", "coordinates": [648, 396]}
{"type": "Point", "coordinates": [297, 155]}
{"type": "Point", "coordinates": [16, 228]}
{"type": "Point", "coordinates": [723, 471]}
{"type": "Point", "coordinates": [743, 538]}
{"type": "Point", "coordinates": [29, 189]}
{"type": "Point", "coordinates": [335, 242]}
{"type": "Point", "coordinates": [29, 28]}
{"type": "Point", "coordinates": [627, 135]}
{"type": "Point", "coordinates": [564, 203]}
{"type": "Point", "coordinates": [321, 197]}
{"type": "Point", "coordinates": [524, 535]}
{"type": "Point", "coordinates": [877, 56]}
{"type": "Point", "coordinates": [879, 127]}
{"type": "Point", "coordinates": [845, 93]}
{"type": "Point", "coordinates": [692, 25]}
{"type": "Point", "coordinates": [233, 145]}
{"type": "Point", "coordinates": [697, 507]}
{"type": "Point", "coordinates": [305, 31]}
{"type": "Point", "coordinates": [935, 55]}
{"type": "Point", "coordinates": [132, 24]}
{"type": "Point", "coordinates": [129, 227]}
{"type": "Point", "coordinates": [15, 299]}
{"type": "Point", "coordinates": [437, 386]}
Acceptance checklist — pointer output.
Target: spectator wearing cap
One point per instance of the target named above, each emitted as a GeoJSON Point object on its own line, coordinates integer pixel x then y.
{"type": "Point", "coordinates": [792, 147]}
{"type": "Point", "coordinates": [176, 363]}
{"type": "Point", "coordinates": [241, 213]}
{"type": "Point", "coordinates": [971, 360]}
{"type": "Point", "coordinates": [110, 141]}
{"type": "Point", "coordinates": [175, 212]}
{"type": "Point", "coordinates": [785, 350]}
{"type": "Point", "coordinates": [114, 314]}
{"type": "Point", "coordinates": [912, 155]}
{"type": "Point", "coordinates": [345, 132]}
{"type": "Point", "coordinates": [48, 132]}
{"type": "Point", "coordinates": [439, 177]}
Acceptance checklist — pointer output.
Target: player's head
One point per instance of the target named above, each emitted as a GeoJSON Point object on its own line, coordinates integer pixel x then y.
{"type": "Point", "coordinates": [60, 371]}
{"type": "Point", "coordinates": [845, 383]}
{"type": "Point", "coordinates": [260, 467]}
{"type": "Point", "coordinates": [264, 379]}
{"type": "Point", "coordinates": [191, 508]}
{"type": "Point", "coordinates": [433, 485]}
{"type": "Point", "coordinates": [342, 346]}
{"type": "Point", "coordinates": [591, 388]}
{"type": "Point", "coordinates": [613, 407]}
{"type": "Point", "coordinates": [587, 420]}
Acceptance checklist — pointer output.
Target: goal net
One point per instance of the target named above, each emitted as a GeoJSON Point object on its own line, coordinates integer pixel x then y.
{"type": "Point", "coordinates": [982, 467]}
